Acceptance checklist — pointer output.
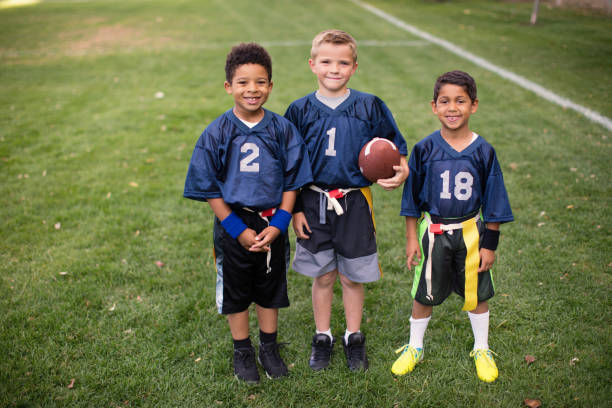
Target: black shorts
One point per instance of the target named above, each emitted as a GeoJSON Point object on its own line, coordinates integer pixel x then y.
{"type": "Point", "coordinates": [344, 242]}
{"type": "Point", "coordinates": [447, 267]}
{"type": "Point", "coordinates": [243, 277]}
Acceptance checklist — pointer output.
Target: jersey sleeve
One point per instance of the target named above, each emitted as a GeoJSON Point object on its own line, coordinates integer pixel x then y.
{"type": "Point", "coordinates": [410, 206]}
{"type": "Point", "coordinates": [201, 182]}
{"type": "Point", "coordinates": [385, 126]}
{"type": "Point", "coordinates": [495, 202]}
{"type": "Point", "coordinates": [297, 163]}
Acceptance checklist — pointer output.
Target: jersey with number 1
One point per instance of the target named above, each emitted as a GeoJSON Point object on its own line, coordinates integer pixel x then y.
{"type": "Point", "coordinates": [334, 137]}
{"type": "Point", "coordinates": [248, 167]}
{"type": "Point", "coordinates": [451, 184]}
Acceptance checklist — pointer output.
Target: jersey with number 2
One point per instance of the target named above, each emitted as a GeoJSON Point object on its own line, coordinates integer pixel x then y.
{"type": "Point", "coordinates": [334, 137]}
{"type": "Point", "coordinates": [248, 167]}
{"type": "Point", "coordinates": [452, 184]}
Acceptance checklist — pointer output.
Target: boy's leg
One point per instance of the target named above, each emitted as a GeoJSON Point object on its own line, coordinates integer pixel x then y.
{"type": "Point", "coordinates": [322, 296]}
{"type": "Point", "coordinates": [412, 353]}
{"type": "Point", "coordinates": [352, 297]}
{"type": "Point", "coordinates": [245, 367]}
{"type": "Point", "coordinates": [353, 340]}
{"type": "Point", "coordinates": [322, 342]}
{"type": "Point", "coordinates": [483, 356]}
{"type": "Point", "coordinates": [269, 356]}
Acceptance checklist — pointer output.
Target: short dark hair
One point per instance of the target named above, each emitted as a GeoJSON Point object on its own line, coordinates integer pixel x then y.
{"type": "Point", "coordinates": [460, 78]}
{"type": "Point", "coordinates": [247, 53]}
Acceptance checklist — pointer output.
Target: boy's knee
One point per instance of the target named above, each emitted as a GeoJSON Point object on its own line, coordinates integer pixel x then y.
{"type": "Point", "coordinates": [347, 283]}
{"type": "Point", "coordinates": [326, 280]}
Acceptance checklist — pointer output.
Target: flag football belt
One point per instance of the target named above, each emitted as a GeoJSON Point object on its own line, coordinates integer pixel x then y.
{"type": "Point", "coordinates": [472, 258]}
{"type": "Point", "coordinates": [263, 215]}
{"type": "Point", "coordinates": [333, 196]}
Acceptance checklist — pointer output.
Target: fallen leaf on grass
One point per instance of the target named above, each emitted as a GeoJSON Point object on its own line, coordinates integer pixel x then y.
{"type": "Point", "coordinates": [63, 273]}
{"type": "Point", "coordinates": [252, 397]}
{"type": "Point", "coordinates": [219, 402]}
{"type": "Point", "coordinates": [540, 224]}
{"type": "Point", "coordinates": [529, 359]}
{"type": "Point", "coordinates": [159, 264]}
{"type": "Point", "coordinates": [565, 275]}
{"type": "Point", "coordinates": [569, 207]}
{"type": "Point", "coordinates": [71, 385]}
{"type": "Point", "coordinates": [197, 360]}
{"type": "Point", "coordinates": [159, 95]}
{"type": "Point", "coordinates": [57, 225]}
{"type": "Point", "coordinates": [133, 184]}
{"type": "Point", "coordinates": [112, 308]}
{"type": "Point", "coordinates": [533, 403]}
{"type": "Point", "coordinates": [573, 361]}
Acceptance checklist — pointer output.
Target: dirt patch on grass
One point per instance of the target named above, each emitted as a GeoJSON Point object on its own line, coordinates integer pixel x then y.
{"type": "Point", "coordinates": [108, 38]}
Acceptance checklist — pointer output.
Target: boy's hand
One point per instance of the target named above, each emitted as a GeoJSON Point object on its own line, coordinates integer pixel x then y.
{"type": "Point", "coordinates": [247, 238]}
{"type": "Point", "coordinates": [264, 238]}
{"type": "Point", "coordinates": [299, 224]}
{"type": "Point", "coordinates": [401, 174]}
{"type": "Point", "coordinates": [487, 259]}
{"type": "Point", "coordinates": [413, 253]}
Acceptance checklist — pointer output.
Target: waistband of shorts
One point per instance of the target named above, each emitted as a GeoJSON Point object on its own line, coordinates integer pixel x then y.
{"type": "Point", "coordinates": [440, 220]}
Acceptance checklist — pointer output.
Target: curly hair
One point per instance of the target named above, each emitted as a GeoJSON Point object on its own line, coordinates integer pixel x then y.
{"type": "Point", "coordinates": [247, 53]}
{"type": "Point", "coordinates": [460, 78]}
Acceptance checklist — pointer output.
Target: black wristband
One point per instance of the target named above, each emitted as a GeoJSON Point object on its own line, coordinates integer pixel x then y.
{"type": "Point", "coordinates": [490, 239]}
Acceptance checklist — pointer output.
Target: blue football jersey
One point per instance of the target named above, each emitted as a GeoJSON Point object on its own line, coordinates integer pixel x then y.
{"type": "Point", "coordinates": [248, 167]}
{"type": "Point", "coordinates": [452, 184]}
{"type": "Point", "coordinates": [334, 137]}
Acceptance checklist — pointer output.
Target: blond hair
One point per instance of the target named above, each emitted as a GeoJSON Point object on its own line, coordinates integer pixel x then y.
{"type": "Point", "coordinates": [337, 37]}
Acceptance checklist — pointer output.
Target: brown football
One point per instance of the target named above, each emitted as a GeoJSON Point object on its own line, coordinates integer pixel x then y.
{"type": "Point", "coordinates": [377, 158]}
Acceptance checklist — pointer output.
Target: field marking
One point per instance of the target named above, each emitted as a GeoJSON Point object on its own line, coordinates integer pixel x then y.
{"type": "Point", "coordinates": [113, 48]}
{"type": "Point", "coordinates": [481, 62]}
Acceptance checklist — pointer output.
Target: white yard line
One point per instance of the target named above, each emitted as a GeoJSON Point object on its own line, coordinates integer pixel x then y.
{"type": "Point", "coordinates": [481, 62]}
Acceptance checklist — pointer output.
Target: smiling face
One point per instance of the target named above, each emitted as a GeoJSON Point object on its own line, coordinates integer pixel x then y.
{"type": "Point", "coordinates": [333, 65]}
{"type": "Point", "coordinates": [250, 87]}
{"type": "Point", "coordinates": [453, 108]}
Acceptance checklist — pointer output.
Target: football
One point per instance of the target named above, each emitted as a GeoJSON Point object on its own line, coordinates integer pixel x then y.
{"type": "Point", "coordinates": [377, 158]}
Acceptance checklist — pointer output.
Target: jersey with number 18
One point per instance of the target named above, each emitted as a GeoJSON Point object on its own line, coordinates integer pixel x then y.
{"type": "Point", "coordinates": [334, 137]}
{"type": "Point", "coordinates": [451, 184]}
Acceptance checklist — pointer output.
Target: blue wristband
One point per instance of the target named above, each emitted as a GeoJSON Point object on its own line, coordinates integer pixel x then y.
{"type": "Point", "coordinates": [234, 225]}
{"type": "Point", "coordinates": [280, 219]}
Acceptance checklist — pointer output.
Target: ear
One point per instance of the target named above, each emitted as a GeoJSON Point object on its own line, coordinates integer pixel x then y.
{"type": "Point", "coordinates": [475, 106]}
{"type": "Point", "coordinates": [434, 107]}
{"type": "Point", "coordinates": [228, 87]}
{"type": "Point", "coordinates": [311, 63]}
{"type": "Point", "coordinates": [270, 87]}
{"type": "Point", "coordinates": [354, 68]}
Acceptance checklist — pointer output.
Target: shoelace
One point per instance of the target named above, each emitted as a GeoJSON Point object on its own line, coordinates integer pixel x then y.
{"type": "Point", "coordinates": [245, 355]}
{"type": "Point", "coordinates": [357, 351]}
{"type": "Point", "coordinates": [483, 353]}
{"type": "Point", "coordinates": [321, 351]}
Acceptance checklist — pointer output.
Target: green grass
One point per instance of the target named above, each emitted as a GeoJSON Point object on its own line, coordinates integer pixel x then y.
{"type": "Point", "coordinates": [85, 143]}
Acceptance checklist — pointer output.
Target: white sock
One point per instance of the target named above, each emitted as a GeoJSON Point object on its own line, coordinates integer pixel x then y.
{"type": "Point", "coordinates": [328, 332]}
{"type": "Point", "coordinates": [417, 331]}
{"type": "Point", "coordinates": [480, 327]}
{"type": "Point", "coordinates": [346, 335]}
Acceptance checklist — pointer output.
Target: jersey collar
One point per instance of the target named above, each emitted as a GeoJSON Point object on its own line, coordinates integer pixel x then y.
{"type": "Point", "coordinates": [339, 108]}
{"type": "Point", "coordinates": [262, 123]}
{"type": "Point", "coordinates": [451, 151]}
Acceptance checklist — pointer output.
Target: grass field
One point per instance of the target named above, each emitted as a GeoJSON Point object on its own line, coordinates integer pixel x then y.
{"type": "Point", "coordinates": [106, 272]}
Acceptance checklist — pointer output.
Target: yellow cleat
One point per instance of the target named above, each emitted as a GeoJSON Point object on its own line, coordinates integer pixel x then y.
{"type": "Point", "coordinates": [409, 358]}
{"type": "Point", "coordinates": [485, 365]}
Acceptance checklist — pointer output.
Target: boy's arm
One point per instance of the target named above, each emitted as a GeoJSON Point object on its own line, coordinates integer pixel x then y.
{"type": "Point", "coordinates": [279, 222]}
{"type": "Point", "coordinates": [246, 238]}
{"type": "Point", "coordinates": [413, 250]}
{"type": "Point", "coordinates": [401, 174]}
{"type": "Point", "coordinates": [487, 255]}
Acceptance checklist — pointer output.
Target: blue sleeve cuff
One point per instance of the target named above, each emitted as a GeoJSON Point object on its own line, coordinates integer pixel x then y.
{"type": "Point", "coordinates": [234, 225]}
{"type": "Point", "coordinates": [281, 219]}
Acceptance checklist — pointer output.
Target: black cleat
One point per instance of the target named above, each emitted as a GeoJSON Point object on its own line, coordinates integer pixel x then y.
{"type": "Point", "coordinates": [245, 367]}
{"type": "Point", "coordinates": [271, 361]}
{"type": "Point", "coordinates": [322, 347]}
{"type": "Point", "coordinates": [355, 352]}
